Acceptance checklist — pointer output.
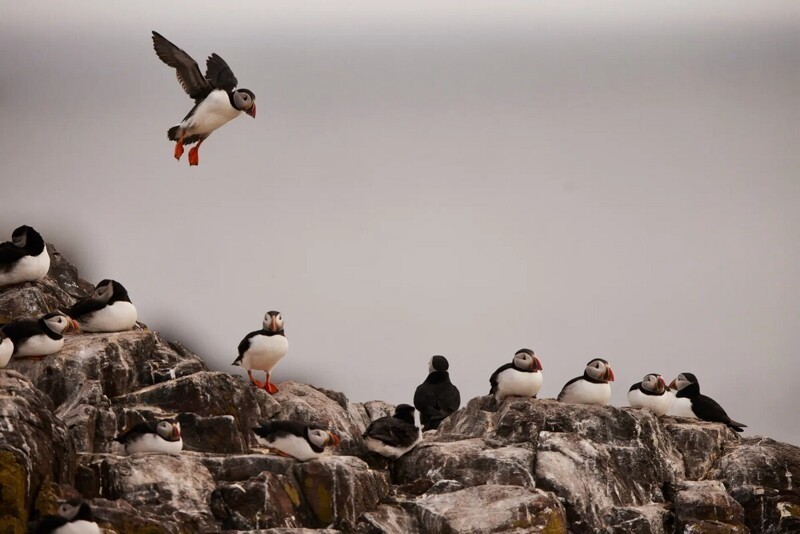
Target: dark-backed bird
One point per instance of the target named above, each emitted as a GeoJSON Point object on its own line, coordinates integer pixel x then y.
{"type": "Point", "coordinates": [74, 517]}
{"type": "Point", "coordinates": [394, 435]}
{"type": "Point", "coordinates": [262, 349]}
{"type": "Point", "coordinates": [689, 402]}
{"type": "Point", "coordinates": [163, 436]}
{"type": "Point", "coordinates": [436, 397]}
{"type": "Point", "coordinates": [37, 338]}
{"type": "Point", "coordinates": [24, 258]}
{"type": "Point", "coordinates": [108, 309]}
{"type": "Point", "coordinates": [651, 394]}
{"type": "Point", "coordinates": [297, 440]}
{"type": "Point", "coordinates": [591, 388]}
{"type": "Point", "coordinates": [217, 100]}
{"type": "Point", "coordinates": [522, 377]}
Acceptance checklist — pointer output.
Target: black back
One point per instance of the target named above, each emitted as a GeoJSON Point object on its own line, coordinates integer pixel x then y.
{"type": "Point", "coordinates": [137, 431]}
{"type": "Point", "coordinates": [49, 523]}
{"type": "Point", "coordinates": [22, 329]}
{"type": "Point", "coordinates": [436, 398]}
{"type": "Point", "coordinates": [705, 407]}
{"type": "Point", "coordinates": [10, 253]}
{"type": "Point", "coordinates": [287, 428]}
{"type": "Point", "coordinates": [395, 430]}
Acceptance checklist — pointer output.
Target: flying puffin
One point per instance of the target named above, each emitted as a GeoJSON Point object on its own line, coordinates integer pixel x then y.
{"type": "Point", "coordinates": [520, 378]}
{"type": "Point", "coordinates": [74, 517]}
{"type": "Point", "coordinates": [262, 349]}
{"type": "Point", "coordinates": [163, 436]}
{"type": "Point", "coordinates": [690, 403]}
{"type": "Point", "coordinates": [216, 98]}
{"type": "Point", "coordinates": [36, 339]}
{"type": "Point", "coordinates": [652, 394]}
{"type": "Point", "coordinates": [108, 309]}
{"type": "Point", "coordinates": [24, 258]}
{"type": "Point", "coordinates": [436, 397]}
{"type": "Point", "coordinates": [395, 435]}
{"type": "Point", "coordinates": [296, 440]}
{"type": "Point", "coordinates": [591, 388]}
{"type": "Point", "coordinates": [6, 349]}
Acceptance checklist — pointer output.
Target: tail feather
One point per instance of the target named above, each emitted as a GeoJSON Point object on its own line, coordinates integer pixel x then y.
{"type": "Point", "coordinates": [738, 427]}
{"type": "Point", "coordinates": [172, 133]}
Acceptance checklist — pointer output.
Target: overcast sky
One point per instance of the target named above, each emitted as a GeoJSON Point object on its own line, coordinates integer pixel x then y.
{"type": "Point", "coordinates": [585, 179]}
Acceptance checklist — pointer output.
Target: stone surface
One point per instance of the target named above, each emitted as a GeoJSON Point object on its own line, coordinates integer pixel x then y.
{"type": "Point", "coordinates": [705, 506]}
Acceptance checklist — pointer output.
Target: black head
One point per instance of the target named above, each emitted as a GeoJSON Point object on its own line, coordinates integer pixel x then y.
{"type": "Point", "coordinates": [685, 382]}
{"type": "Point", "coordinates": [599, 370]}
{"type": "Point", "coordinates": [438, 363]}
{"type": "Point", "coordinates": [245, 100]}
{"type": "Point", "coordinates": [27, 238]}
{"type": "Point", "coordinates": [404, 412]}
{"type": "Point", "coordinates": [273, 321]}
{"type": "Point", "coordinates": [109, 290]}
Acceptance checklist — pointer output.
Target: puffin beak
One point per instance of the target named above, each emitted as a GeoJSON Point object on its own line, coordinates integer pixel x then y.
{"type": "Point", "coordinates": [672, 384]}
{"type": "Point", "coordinates": [72, 326]}
{"type": "Point", "coordinates": [661, 384]}
{"type": "Point", "coordinates": [609, 374]}
{"type": "Point", "coordinates": [334, 439]}
{"type": "Point", "coordinates": [176, 431]}
{"type": "Point", "coordinates": [252, 111]}
{"type": "Point", "coordinates": [537, 365]}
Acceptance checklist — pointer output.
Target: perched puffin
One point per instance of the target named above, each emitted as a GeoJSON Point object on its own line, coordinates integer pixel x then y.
{"type": "Point", "coordinates": [520, 378]}
{"type": "Point", "coordinates": [163, 436]}
{"type": "Point", "coordinates": [36, 339]}
{"type": "Point", "coordinates": [690, 403]}
{"type": "Point", "coordinates": [6, 349]}
{"type": "Point", "coordinates": [437, 397]}
{"type": "Point", "coordinates": [74, 517]}
{"type": "Point", "coordinates": [24, 258]}
{"type": "Point", "coordinates": [297, 440]}
{"type": "Point", "coordinates": [591, 388]}
{"type": "Point", "coordinates": [395, 435]}
{"type": "Point", "coordinates": [216, 98]}
{"type": "Point", "coordinates": [652, 394]}
{"type": "Point", "coordinates": [262, 349]}
{"type": "Point", "coordinates": [108, 309]}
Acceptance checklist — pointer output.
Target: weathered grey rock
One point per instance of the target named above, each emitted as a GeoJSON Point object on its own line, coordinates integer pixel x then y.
{"type": "Point", "coordinates": [699, 443]}
{"type": "Point", "coordinates": [388, 519]}
{"type": "Point", "coordinates": [646, 519]}
{"type": "Point", "coordinates": [89, 417]}
{"type": "Point", "coordinates": [120, 517]}
{"type": "Point", "coordinates": [704, 506]}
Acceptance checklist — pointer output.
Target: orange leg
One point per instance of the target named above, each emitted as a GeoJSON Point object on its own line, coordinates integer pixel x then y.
{"type": "Point", "coordinates": [35, 358]}
{"type": "Point", "coordinates": [269, 387]}
{"type": "Point", "coordinates": [194, 157]}
{"type": "Point", "coordinates": [253, 380]}
{"type": "Point", "coordinates": [179, 146]}
{"type": "Point", "coordinates": [280, 453]}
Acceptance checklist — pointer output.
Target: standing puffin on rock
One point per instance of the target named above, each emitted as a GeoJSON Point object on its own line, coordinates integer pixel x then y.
{"type": "Point", "coordinates": [6, 349]}
{"type": "Point", "coordinates": [262, 349]}
{"type": "Point", "coordinates": [651, 394]}
{"type": "Point", "coordinates": [108, 309]}
{"type": "Point", "coordinates": [74, 517]}
{"type": "Point", "coordinates": [520, 378]}
{"type": "Point", "coordinates": [36, 339]}
{"type": "Point", "coordinates": [24, 258]}
{"type": "Point", "coordinates": [689, 402]}
{"type": "Point", "coordinates": [161, 437]}
{"type": "Point", "coordinates": [395, 435]}
{"type": "Point", "coordinates": [216, 98]}
{"type": "Point", "coordinates": [296, 440]}
{"type": "Point", "coordinates": [437, 397]}
{"type": "Point", "coordinates": [591, 388]}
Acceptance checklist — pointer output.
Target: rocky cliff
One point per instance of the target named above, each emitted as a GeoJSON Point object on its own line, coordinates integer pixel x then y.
{"type": "Point", "coordinates": [519, 466]}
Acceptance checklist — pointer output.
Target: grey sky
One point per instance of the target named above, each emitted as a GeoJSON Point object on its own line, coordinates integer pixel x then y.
{"type": "Point", "coordinates": [581, 179]}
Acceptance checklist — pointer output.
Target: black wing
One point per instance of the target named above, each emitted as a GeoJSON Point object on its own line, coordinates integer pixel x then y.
{"type": "Point", "coordinates": [635, 386]}
{"type": "Point", "coordinates": [84, 307]}
{"type": "Point", "coordinates": [137, 430]}
{"type": "Point", "coordinates": [278, 428]}
{"type": "Point", "coordinates": [392, 431]}
{"type": "Point", "coordinates": [9, 253]}
{"type": "Point", "coordinates": [709, 410]}
{"type": "Point", "coordinates": [49, 523]}
{"type": "Point", "coordinates": [219, 74]}
{"type": "Point", "coordinates": [435, 402]}
{"type": "Point", "coordinates": [22, 328]}
{"type": "Point", "coordinates": [186, 69]}
{"type": "Point", "coordinates": [564, 389]}
{"type": "Point", "coordinates": [493, 378]}
{"type": "Point", "coordinates": [245, 343]}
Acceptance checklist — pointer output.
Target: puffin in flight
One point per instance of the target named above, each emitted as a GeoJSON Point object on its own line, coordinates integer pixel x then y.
{"type": "Point", "coordinates": [216, 98]}
{"type": "Point", "coordinates": [689, 402]}
{"type": "Point", "coordinates": [296, 440]}
{"type": "Point", "coordinates": [437, 397]}
{"type": "Point", "coordinates": [519, 378]}
{"type": "Point", "coordinates": [262, 349]}
{"type": "Point", "coordinates": [591, 388]}
{"type": "Point", "coordinates": [652, 394]}
{"type": "Point", "coordinates": [108, 309]}
{"type": "Point", "coordinates": [24, 258]}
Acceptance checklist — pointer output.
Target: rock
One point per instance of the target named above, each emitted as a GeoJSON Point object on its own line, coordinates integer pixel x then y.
{"type": "Point", "coordinates": [89, 418]}
{"type": "Point", "coordinates": [706, 507]}
{"type": "Point", "coordinates": [388, 519]}
{"type": "Point", "coordinates": [646, 519]}
{"type": "Point", "coordinates": [120, 517]}
{"type": "Point", "coordinates": [699, 443]}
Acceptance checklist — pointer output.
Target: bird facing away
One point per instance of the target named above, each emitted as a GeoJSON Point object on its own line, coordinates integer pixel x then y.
{"type": "Point", "coordinates": [108, 309]}
{"type": "Point", "coordinates": [74, 517]}
{"type": "Point", "coordinates": [651, 394]}
{"type": "Point", "coordinates": [37, 338]}
{"type": "Point", "coordinates": [216, 98]}
{"type": "Point", "coordinates": [163, 436]}
{"type": "Point", "coordinates": [521, 377]}
{"type": "Point", "coordinates": [294, 439]}
{"type": "Point", "coordinates": [262, 349]}
{"type": "Point", "coordinates": [591, 388]}
{"type": "Point", "coordinates": [689, 402]}
{"type": "Point", "coordinates": [436, 397]}
{"type": "Point", "coordinates": [395, 435]}
{"type": "Point", "coordinates": [24, 258]}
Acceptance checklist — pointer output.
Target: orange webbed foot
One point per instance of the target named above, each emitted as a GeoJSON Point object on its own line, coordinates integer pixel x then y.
{"type": "Point", "coordinates": [194, 157]}
{"type": "Point", "coordinates": [178, 150]}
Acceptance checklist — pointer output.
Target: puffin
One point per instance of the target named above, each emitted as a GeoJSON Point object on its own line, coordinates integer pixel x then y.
{"type": "Point", "coordinates": [262, 349]}
{"type": "Point", "coordinates": [591, 388]}
{"type": "Point", "coordinates": [394, 435]}
{"type": "Point", "coordinates": [6, 349]}
{"type": "Point", "coordinates": [651, 394]}
{"type": "Point", "coordinates": [24, 258]}
{"type": "Point", "coordinates": [108, 309]}
{"type": "Point", "coordinates": [520, 378]}
{"type": "Point", "coordinates": [436, 397]}
{"type": "Point", "coordinates": [294, 439]}
{"type": "Point", "coordinates": [74, 517]}
{"type": "Point", "coordinates": [216, 98]}
{"type": "Point", "coordinates": [36, 339]}
{"type": "Point", "coordinates": [689, 402]}
{"type": "Point", "coordinates": [153, 437]}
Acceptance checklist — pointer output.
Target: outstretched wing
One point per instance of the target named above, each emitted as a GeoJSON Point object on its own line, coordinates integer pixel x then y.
{"type": "Point", "coordinates": [186, 69]}
{"type": "Point", "coordinates": [219, 74]}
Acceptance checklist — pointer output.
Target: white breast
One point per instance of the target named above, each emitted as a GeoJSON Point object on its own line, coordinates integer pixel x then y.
{"type": "Point", "coordinates": [658, 404]}
{"type": "Point", "coordinates": [295, 446]}
{"type": "Point", "coordinates": [117, 317]}
{"type": "Point", "coordinates": [78, 527]}
{"type": "Point", "coordinates": [153, 443]}
{"type": "Point", "coordinates": [389, 451]}
{"type": "Point", "coordinates": [38, 345]}
{"type": "Point", "coordinates": [682, 407]}
{"type": "Point", "coordinates": [585, 392]}
{"type": "Point", "coordinates": [265, 352]}
{"type": "Point", "coordinates": [6, 349]}
{"type": "Point", "coordinates": [212, 113]}
{"type": "Point", "coordinates": [27, 269]}
{"type": "Point", "coordinates": [513, 383]}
